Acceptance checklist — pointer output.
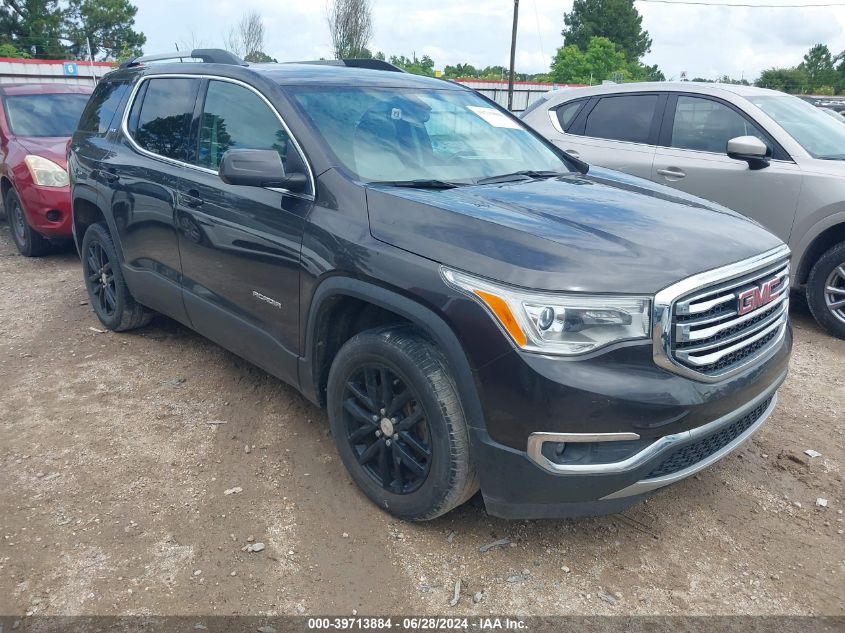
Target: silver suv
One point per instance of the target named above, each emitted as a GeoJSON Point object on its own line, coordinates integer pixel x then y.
{"type": "Point", "coordinates": [768, 155]}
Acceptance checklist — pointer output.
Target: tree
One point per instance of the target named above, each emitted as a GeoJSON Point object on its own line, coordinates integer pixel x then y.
{"type": "Point", "coordinates": [791, 80]}
{"type": "Point", "coordinates": [33, 27]}
{"type": "Point", "coordinates": [724, 79]}
{"type": "Point", "coordinates": [259, 57]}
{"type": "Point", "coordinates": [601, 60]}
{"type": "Point", "coordinates": [106, 24]}
{"type": "Point", "coordinates": [818, 64]}
{"type": "Point", "coordinates": [246, 38]}
{"type": "Point", "coordinates": [422, 66]}
{"type": "Point", "coordinates": [351, 27]}
{"type": "Point", "coordinates": [460, 70]}
{"type": "Point", "coordinates": [637, 71]}
{"type": "Point", "coordinates": [617, 20]}
{"type": "Point", "coordinates": [9, 50]}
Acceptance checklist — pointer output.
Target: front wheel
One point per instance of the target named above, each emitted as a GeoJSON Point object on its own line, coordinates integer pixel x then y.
{"type": "Point", "coordinates": [107, 291]}
{"type": "Point", "coordinates": [826, 290]}
{"type": "Point", "coordinates": [29, 242]}
{"type": "Point", "coordinates": [398, 424]}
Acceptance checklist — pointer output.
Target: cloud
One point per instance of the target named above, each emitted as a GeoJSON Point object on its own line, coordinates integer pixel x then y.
{"type": "Point", "coordinates": [705, 41]}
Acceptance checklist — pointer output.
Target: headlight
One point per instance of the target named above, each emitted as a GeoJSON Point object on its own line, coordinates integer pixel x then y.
{"type": "Point", "coordinates": [45, 172]}
{"type": "Point", "coordinates": [563, 324]}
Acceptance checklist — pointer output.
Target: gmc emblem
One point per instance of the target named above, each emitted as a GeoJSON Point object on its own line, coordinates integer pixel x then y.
{"type": "Point", "coordinates": [753, 298]}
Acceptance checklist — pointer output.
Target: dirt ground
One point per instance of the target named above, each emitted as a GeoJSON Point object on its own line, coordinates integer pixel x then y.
{"type": "Point", "coordinates": [116, 452]}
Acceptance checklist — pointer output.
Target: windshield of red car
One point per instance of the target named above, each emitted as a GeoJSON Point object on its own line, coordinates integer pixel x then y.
{"type": "Point", "coordinates": [44, 114]}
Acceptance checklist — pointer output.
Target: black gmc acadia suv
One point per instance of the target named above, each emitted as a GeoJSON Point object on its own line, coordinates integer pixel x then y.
{"type": "Point", "coordinates": [472, 306]}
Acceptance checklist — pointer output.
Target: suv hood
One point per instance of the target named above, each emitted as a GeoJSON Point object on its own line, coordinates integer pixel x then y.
{"type": "Point", "coordinates": [600, 232]}
{"type": "Point", "coordinates": [53, 148]}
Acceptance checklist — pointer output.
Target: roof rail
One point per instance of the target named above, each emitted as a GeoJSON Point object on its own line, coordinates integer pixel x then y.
{"type": "Point", "coordinates": [371, 64]}
{"type": "Point", "coordinates": [207, 55]}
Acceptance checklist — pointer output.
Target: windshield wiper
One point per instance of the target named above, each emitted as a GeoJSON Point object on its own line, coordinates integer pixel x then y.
{"type": "Point", "coordinates": [421, 183]}
{"type": "Point", "coordinates": [519, 175]}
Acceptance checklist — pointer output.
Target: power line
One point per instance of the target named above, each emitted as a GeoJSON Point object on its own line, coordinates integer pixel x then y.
{"type": "Point", "coordinates": [738, 4]}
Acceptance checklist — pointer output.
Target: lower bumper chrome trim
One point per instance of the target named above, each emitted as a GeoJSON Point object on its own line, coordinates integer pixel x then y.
{"type": "Point", "coordinates": [660, 445]}
{"type": "Point", "coordinates": [647, 485]}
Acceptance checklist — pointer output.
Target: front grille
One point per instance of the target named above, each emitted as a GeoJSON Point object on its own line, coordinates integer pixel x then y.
{"type": "Point", "coordinates": [699, 450]}
{"type": "Point", "coordinates": [709, 336]}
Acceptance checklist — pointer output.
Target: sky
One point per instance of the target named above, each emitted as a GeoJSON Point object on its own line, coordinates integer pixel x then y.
{"type": "Point", "coordinates": [704, 41]}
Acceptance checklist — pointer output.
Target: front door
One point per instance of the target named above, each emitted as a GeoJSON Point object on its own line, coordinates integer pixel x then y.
{"type": "Point", "coordinates": [240, 246]}
{"type": "Point", "coordinates": [695, 160]}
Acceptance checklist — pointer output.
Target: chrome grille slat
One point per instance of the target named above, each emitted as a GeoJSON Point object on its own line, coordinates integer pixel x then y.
{"type": "Point", "coordinates": [700, 330]}
{"type": "Point", "coordinates": [684, 332]}
{"type": "Point", "coordinates": [691, 356]}
{"type": "Point", "coordinates": [695, 305]}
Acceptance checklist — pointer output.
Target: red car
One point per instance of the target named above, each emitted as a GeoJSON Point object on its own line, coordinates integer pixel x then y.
{"type": "Point", "coordinates": [36, 121]}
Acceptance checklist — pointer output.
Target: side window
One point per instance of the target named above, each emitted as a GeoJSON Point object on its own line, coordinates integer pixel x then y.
{"type": "Point", "coordinates": [625, 118]}
{"type": "Point", "coordinates": [234, 117]}
{"type": "Point", "coordinates": [160, 119]}
{"type": "Point", "coordinates": [102, 107]}
{"type": "Point", "coordinates": [707, 126]}
{"type": "Point", "coordinates": [567, 112]}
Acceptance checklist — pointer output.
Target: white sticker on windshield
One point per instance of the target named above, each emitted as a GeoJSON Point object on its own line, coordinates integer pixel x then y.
{"type": "Point", "coordinates": [494, 117]}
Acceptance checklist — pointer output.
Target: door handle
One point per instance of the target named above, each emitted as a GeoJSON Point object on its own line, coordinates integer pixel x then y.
{"type": "Point", "coordinates": [672, 173]}
{"type": "Point", "coordinates": [110, 175]}
{"type": "Point", "coordinates": [572, 153]}
{"type": "Point", "coordinates": [191, 199]}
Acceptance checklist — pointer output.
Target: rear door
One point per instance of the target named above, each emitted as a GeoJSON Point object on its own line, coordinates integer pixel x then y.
{"type": "Point", "coordinates": [693, 158]}
{"type": "Point", "coordinates": [142, 177]}
{"type": "Point", "coordinates": [615, 131]}
{"type": "Point", "coordinates": [240, 245]}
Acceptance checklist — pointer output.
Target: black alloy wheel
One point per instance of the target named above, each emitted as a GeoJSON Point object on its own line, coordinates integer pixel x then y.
{"type": "Point", "coordinates": [398, 423]}
{"type": "Point", "coordinates": [386, 428]}
{"type": "Point", "coordinates": [107, 290]}
{"type": "Point", "coordinates": [99, 277]}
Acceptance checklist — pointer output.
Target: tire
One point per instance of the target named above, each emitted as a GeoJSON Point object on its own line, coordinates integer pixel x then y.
{"type": "Point", "coordinates": [397, 365]}
{"type": "Point", "coordinates": [30, 243]}
{"type": "Point", "coordinates": [826, 290]}
{"type": "Point", "coordinates": [107, 291]}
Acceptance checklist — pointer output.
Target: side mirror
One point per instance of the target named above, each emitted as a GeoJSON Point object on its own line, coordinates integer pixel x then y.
{"type": "Point", "coordinates": [258, 168]}
{"type": "Point", "coordinates": [750, 149]}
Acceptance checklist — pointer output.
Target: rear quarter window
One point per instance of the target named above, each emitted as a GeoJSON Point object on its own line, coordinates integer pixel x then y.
{"type": "Point", "coordinates": [567, 112]}
{"type": "Point", "coordinates": [102, 107]}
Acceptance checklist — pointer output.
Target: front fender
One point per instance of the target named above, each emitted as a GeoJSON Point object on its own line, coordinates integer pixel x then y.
{"type": "Point", "coordinates": [421, 316]}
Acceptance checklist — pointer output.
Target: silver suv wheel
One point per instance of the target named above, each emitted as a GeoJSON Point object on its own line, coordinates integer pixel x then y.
{"type": "Point", "coordinates": [834, 292]}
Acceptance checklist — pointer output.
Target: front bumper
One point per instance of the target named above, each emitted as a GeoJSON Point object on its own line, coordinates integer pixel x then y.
{"type": "Point", "coordinates": [528, 484]}
{"type": "Point", "coordinates": [47, 210]}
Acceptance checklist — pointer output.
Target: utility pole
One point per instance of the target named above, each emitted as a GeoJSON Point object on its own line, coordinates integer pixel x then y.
{"type": "Point", "coordinates": [513, 53]}
{"type": "Point", "coordinates": [91, 60]}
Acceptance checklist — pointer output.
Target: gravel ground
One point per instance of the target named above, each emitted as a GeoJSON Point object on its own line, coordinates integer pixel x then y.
{"type": "Point", "coordinates": [117, 450]}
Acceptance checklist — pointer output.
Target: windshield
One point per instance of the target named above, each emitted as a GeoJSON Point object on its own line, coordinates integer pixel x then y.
{"type": "Point", "coordinates": [44, 115]}
{"type": "Point", "coordinates": [393, 135]}
{"type": "Point", "coordinates": [820, 135]}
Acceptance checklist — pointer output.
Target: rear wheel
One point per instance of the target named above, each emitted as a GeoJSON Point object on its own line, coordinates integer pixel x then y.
{"type": "Point", "coordinates": [398, 423]}
{"type": "Point", "coordinates": [30, 243]}
{"type": "Point", "coordinates": [826, 290]}
{"type": "Point", "coordinates": [107, 291]}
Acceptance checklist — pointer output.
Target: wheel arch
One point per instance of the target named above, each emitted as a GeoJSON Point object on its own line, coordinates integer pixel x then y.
{"type": "Point", "coordinates": [824, 239]}
{"type": "Point", "coordinates": [335, 293]}
{"type": "Point", "coordinates": [6, 185]}
{"type": "Point", "coordinates": [87, 211]}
